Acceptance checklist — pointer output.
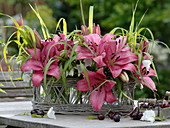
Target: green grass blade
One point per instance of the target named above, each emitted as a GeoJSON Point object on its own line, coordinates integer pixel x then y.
{"type": "Point", "coordinates": [97, 87]}
{"type": "Point", "coordinates": [5, 52]}
{"type": "Point", "coordinates": [43, 26]}
{"type": "Point", "coordinates": [113, 31]}
{"type": "Point", "coordinates": [45, 73]}
{"type": "Point", "coordinates": [85, 73]}
{"type": "Point", "coordinates": [82, 13]}
{"type": "Point", "coordinates": [15, 22]}
{"type": "Point", "coordinates": [141, 20]}
{"type": "Point", "coordinates": [91, 19]}
{"type": "Point", "coordinates": [64, 25]}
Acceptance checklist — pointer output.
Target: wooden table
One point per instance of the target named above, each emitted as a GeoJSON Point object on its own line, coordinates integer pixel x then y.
{"type": "Point", "coordinates": [12, 113]}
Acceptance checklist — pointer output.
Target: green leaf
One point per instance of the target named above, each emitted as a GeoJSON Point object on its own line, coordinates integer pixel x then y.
{"type": "Point", "coordinates": [2, 91]}
{"type": "Point", "coordinates": [82, 13]}
{"type": "Point", "coordinates": [91, 19]}
{"type": "Point", "coordinates": [23, 114]}
{"type": "Point", "coordinates": [126, 96]}
{"type": "Point", "coordinates": [36, 116]}
{"type": "Point", "coordinates": [141, 20]}
{"type": "Point", "coordinates": [45, 73]}
{"type": "Point", "coordinates": [113, 31]}
{"type": "Point", "coordinates": [91, 118]}
{"type": "Point", "coordinates": [15, 22]}
{"type": "Point", "coordinates": [32, 35]}
{"type": "Point", "coordinates": [131, 28]}
{"type": "Point", "coordinates": [1, 84]}
{"type": "Point", "coordinates": [43, 26]}
{"type": "Point", "coordinates": [85, 73]}
{"type": "Point", "coordinates": [159, 119]}
{"type": "Point", "coordinates": [64, 25]}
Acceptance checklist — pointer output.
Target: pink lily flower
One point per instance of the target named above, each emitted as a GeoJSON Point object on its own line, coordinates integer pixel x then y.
{"type": "Point", "coordinates": [49, 45]}
{"type": "Point", "coordinates": [37, 64]}
{"type": "Point", "coordinates": [56, 49]}
{"type": "Point", "coordinates": [98, 94]}
{"type": "Point", "coordinates": [96, 46]}
{"type": "Point", "coordinates": [119, 56]}
{"type": "Point", "coordinates": [145, 72]}
{"type": "Point", "coordinates": [61, 38]}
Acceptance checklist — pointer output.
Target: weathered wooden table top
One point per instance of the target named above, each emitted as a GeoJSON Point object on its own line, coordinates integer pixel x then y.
{"type": "Point", "coordinates": [11, 113]}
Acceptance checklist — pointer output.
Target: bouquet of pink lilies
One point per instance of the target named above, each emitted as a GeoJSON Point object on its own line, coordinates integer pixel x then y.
{"type": "Point", "coordinates": [98, 62]}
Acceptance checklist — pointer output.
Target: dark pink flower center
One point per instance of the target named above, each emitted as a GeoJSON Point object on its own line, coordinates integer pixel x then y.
{"type": "Point", "coordinates": [144, 71]}
{"type": "Point", "coordinates": [113, 59]}
{"type": "Point", "coordinates": [94, 86]}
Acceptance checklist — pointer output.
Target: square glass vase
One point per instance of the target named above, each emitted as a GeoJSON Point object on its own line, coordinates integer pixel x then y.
{"type": "Point", "coordinates": [68, 100]}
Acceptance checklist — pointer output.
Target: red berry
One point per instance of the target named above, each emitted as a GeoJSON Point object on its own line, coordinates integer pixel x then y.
{"type": "Point", "coordinates": [101, 116]}
{"type": "Point", "coordinates": [110, 114]}
{"type": "Point", "coordinates": [140, 114]}
{"type": "Point", "coordinates": [116, 117]}
{"type": "Point", "coordinates": [162, 105]}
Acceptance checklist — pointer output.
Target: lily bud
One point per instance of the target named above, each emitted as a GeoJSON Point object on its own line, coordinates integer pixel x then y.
{"type": "Point", "coordinates": [96, 29]}
{"type": "Point", "coordinates": [38, 39]}
{"type": "Point", "coordinates": [124, 77]}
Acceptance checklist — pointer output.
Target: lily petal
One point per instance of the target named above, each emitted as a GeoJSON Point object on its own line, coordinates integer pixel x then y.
{"type": "Point", "coordinates": [95, 38]}
{"type": "Point", "coordinates": [99, 61]}
{"type": "Point", "coordinates": [54, 69]}
{"type": "Point", "coordinates": [97, 99]}
{"type": "Point", "coordinates": [31, 64]}
{"type": "Point", "coordinates": [149, 83]}
{"type": "Point", "coordinates": [121, 40]}
{"type": "Point", "coordinates": [107, 37]}
{"type": "Point", "coordinates": [116, 73]}
{"type": "Point", "coordinates": [110, 98]}
{"type": "Point", "coordinates": [130, 67]}
{"type": "Point", "coordinates": [82, 85]}
{"type": "Point", "coordinates": [125, 57]}
{"type": "Point", "coordinates": [84, 53]}
{"type": "Point", "coordinates": [151, 72]}
{"type": "Point", "coordinates": [109, 85]}
{"type": "Point", "coordinates": [35, 55]}
{"type": "Point", "coordinates": [37, 78]}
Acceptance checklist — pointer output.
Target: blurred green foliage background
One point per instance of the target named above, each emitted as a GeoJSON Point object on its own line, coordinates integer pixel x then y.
{"type": "Point", "coordinates": [108, 14]}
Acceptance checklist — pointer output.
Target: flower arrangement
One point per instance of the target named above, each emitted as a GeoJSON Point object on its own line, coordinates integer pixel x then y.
{"type": "Point", "coordinates": [99, 63]}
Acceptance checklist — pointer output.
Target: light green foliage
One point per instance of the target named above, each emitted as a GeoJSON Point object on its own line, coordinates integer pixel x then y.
{"type": "Point", "coordinates": [47, 15]}
{"type": "Point", "coordinates": [91, 118]}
